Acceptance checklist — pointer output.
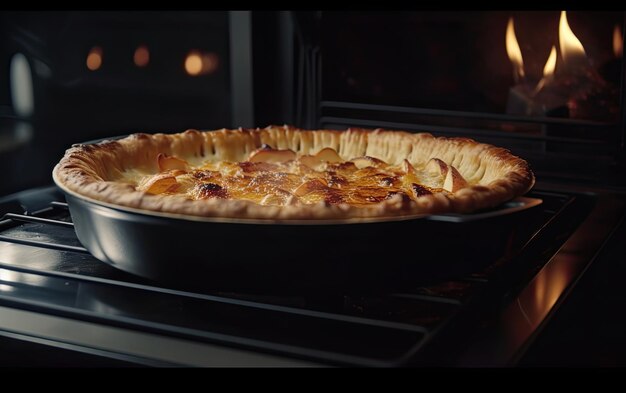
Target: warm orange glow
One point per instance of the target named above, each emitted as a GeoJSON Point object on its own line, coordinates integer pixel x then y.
{"type": "Point", "coordinates": [547, 289]}
{"type": "Point", "coordinates": [141, 56]}
{"type": "Point", "coordinates": [193, 64]}
{"type": "Point", "coordinates": [514, 51]}
{"type": "Point", "coordinates": [571, 48]}
{"type": "Point", "coordinates": [618, 42]}
{"type": "Point", "coordinates": [198, 63]}
{"type": "Point", "coordinates": [94, 58]}
{"type": "Point", "coordinates": [541, 287]}
{"type": "Point", "coordinates": [210, 61]}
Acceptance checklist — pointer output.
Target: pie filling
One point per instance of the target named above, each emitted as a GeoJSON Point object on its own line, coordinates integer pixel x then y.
{"type": "Point", "coordinates": [281, 177]}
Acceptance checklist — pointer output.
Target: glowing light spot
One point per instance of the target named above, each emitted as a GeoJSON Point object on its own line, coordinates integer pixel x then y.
{"type": "Point", "coordinates": [193, 64]}
{"type": "Point", "coordinates": [141, 56]}
{"type": "Point", "coordinates": [618, 42]}
{"type": "Point", "coordinates": [94, 58]}
{"type": "Point", "coordinates": [201, 63]}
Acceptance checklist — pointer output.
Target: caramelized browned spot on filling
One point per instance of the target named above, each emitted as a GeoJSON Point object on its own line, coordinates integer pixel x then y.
{"type": "Point", "coordinates": [210, 190]}
{"type": "Point", "coordinates": [420, 190]}
{"type": "Point", "coordinates": [281, 177]}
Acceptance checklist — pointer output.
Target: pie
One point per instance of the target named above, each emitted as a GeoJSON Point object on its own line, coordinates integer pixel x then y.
{"type": "Point", "coordinates": [286, 173]}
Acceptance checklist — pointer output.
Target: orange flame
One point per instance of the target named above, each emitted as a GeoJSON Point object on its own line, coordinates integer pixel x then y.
{"type": "Point", "coordinates": [548, 70]}
{"type": "Point", "coordinates": [513, 51]}
{"type": "Point", "coordinates": [571, 48]}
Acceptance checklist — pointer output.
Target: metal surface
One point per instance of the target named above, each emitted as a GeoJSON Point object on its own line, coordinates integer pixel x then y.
{"type": "Point", "coordinates": [518, 204]}
{"type": "Point", "coordinates": [285, 256]}
{"type": "Point", "coordinates": [240, 28]}
{"type": "Point", "coordinates": [512, 329]}
{"type": "Point", "coordinates": [144, 348]}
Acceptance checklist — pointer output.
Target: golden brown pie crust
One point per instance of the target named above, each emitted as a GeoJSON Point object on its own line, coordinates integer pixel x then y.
{"type": "Point", "coordinates": [494, 175]}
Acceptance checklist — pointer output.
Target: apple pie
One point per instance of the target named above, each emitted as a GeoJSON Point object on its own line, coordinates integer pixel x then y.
{"type": "Point", "coordinates": [286, 173]}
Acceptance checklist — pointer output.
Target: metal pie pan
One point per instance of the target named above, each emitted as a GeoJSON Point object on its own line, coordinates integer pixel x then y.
{"type": "Point", "coordinates": [270, 255]}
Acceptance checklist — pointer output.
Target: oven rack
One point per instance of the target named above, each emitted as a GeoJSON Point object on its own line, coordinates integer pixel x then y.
{"type": "Point", "coordinates": [47, 270]}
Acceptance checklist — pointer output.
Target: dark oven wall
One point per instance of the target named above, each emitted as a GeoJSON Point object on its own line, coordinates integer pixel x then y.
{"type": "Point", "coordinates": [70, 76]}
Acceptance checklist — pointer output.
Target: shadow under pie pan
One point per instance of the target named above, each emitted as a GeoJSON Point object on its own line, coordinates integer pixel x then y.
{"type": "Point", "coordinates": [278, 257]}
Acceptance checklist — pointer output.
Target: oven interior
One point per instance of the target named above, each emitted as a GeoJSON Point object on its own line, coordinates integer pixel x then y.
{"type": "Point", "coordinates": [490, 76]}
{"type": "Point", "coordinates": [565, 116]}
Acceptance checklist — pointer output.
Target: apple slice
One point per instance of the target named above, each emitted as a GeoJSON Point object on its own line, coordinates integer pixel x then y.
{"type": "Point", "coordinates": [168, 163]}
{"type": "Point", "coordinates": [365, 161]}
{"type": "Point", "coordinates": [310, 161]}
{"type": "Point", "coordinates": [279, 197]}
{"type": "Point", "coordinates": [159, 184]}
{"type": "Point", "coordinates": [454, 181]}
{"type": "Point", "coordinates": [271, 155]}
{"type": "Point", "coordinates": [328, 154]}
{"type": "Point", "coordinates": [309, 186]}
{"type": "Point", "coordinates": [407, 167]}
{"type": "Point", "coordinates": [436, 167]}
